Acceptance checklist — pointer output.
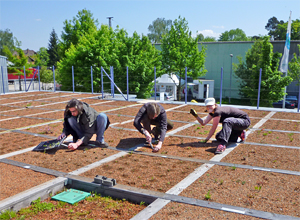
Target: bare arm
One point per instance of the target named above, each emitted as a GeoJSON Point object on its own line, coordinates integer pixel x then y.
{"type": "Point", "coordinates": [216, 121]}
{"type": "Point", "coordinates": [205, 121]}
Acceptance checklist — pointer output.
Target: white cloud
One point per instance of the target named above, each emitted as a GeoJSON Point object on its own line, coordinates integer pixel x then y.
{"type": "Point", "coordinates": [38, 19]}
{"type": "Point", "coordinates": [209, 33]}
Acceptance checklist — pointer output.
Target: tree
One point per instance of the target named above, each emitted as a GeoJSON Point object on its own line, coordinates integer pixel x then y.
{"type": "Point", "coordinates": [73, 30]}
{"type": "Point", "coordinates": [19, 61]}
{"type": "Point", "coordinates": [106, 48]}
{"type": "Point", "coordinates": [180, 50]}
{"type": "Point", "coordinates": [53, 49]}
{"type": "Point", "coordinates": [234, 35]}
{"type": "Point", "coordinates": [42, 57]}
{"type": "Point", "coordinates": [261, 55]}
{"type": "Point", "coordinates": [272, 27]}
{"type": "Point", "coordinates": [294, 66]}
{"type": "Point", "coordinates": [7, 39]}
{"type": "Point", "coordinates": [277, 29]}
{"type": "Point", "coordinates": [201, 38]}
{"type": "Point", "coordinates": [158, 28]}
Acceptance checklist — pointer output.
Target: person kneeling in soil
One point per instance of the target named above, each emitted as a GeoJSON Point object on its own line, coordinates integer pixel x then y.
{"type": "Point", "coordinates": [82, 121]}
{"type": "Point", "coordinates": [153, 114]}
{"type": "Point", "coordinates": [234, 122]}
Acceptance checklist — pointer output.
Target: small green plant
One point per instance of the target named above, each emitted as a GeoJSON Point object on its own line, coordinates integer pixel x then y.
{"type": "Point", "coordinates": [208, 195]}
{"type": "Point", "coordinates": [265, 134]}
{"type": "Point", "coordinates": [243, 182]}
{"type": "Point", "coordinates": [257, 188]}
{"type": "Point", "coordinates": [233, 168]}
{"type": "Point", "coordinates": [142, 203]}
{"type": "Point", "coordinates": [221, 182]}
{"type": "Point", "coordinates": [8, 214]}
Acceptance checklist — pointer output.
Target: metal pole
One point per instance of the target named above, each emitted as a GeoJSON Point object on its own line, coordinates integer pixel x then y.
{"type": "Point", "coordinates": [185, 94]}
{"type": "Point", "coordinates": [221, 86]}
{"type": "Point", "coordinates": [54, 85]}
{"type": "Point", "coordinates": [113, 81]}
{"type": "Point", "coordinates": [155, 83]}
{"type": "Point", "coordinates": [230, 79]}
{"type": "Point", "coordinates": [127, 81]}
{"type": "Point", "coordinates": [25, 78]}
{"type": "Point", "coordinates": [39, 78]}
{"type": "Point", "coordinates": [73, 79]}
{"type": "Point", "coordinates": [2, 79]}
{"type": "Point", "coordinates": [102, 82]}
{"type": "Point", "coordinates": [299, 97]}
{"type": "Point", "coordinates": [259, 84]}
{"type": "Point", "coordinates": [92, 79]}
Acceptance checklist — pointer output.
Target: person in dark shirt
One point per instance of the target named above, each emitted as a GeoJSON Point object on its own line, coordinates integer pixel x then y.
{"type": "Point", "coordinates": [234, 122]}
{"type": "Point", "coordinates": [82, 121]}
{"type": "Point", "coordinates": [153, 114]}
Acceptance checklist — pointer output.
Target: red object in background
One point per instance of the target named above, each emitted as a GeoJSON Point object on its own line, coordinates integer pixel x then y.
{"type": "Point", "coordinates": [12, 76]}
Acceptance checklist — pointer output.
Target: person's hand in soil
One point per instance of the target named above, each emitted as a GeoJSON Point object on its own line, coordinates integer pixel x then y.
{"type": "Point", "coordinates": [157, 147]}
{"type": "Point", "coordinates": [63, 135]}
{"type": "Point", "coordinates": [74, 146]}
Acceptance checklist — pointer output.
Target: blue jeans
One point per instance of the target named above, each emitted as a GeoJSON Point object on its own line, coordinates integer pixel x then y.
{"type": "Point", "coordinates": [100, 126]}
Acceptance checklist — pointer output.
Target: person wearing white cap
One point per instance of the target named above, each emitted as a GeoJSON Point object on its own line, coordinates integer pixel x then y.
{"type": "Point", "coordinates": [234, 122]}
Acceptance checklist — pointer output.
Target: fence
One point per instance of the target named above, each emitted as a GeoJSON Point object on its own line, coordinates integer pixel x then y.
{"type": "Point", "coordinates": [127, 84]}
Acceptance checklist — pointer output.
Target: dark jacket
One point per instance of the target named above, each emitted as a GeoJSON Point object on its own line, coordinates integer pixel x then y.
{"type": "Point", "coordinates": [86, 121]}
{"type": "Point", "coordinates": [161, 118]}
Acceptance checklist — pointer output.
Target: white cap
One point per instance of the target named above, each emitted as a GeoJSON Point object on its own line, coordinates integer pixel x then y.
{"type": "Point", "coordinates": [210, 101]}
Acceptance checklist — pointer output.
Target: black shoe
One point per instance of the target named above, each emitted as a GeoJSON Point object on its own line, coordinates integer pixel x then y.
{"type": "Point", "coordinates": [102, 145]}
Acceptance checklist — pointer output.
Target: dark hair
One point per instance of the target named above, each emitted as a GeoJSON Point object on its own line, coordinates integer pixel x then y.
{"type": "Point", "coordinates": [74, 103]}
{"type": "Point", "coordinates": [153, 109]}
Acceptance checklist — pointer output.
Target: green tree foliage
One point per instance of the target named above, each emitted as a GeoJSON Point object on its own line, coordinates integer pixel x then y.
{"type": "Point", "coordinates": [19, 61]}
{"type": "Point", "coordinates": [81, 25]}
{"type": "Point", "coordinates": [201, 38]}
{"type": "Point", "coordinates": [158, 28]}
{"type": "Point", "coordinates": [53, 49]}
{"type": "Point", "coordinates": [180, 50]}
{"type": "Point", "coordinates": [272, 27]}
{"type": "Point", "coordinates": [234, 35]}
{"type": "Point", "coordinates": [277, 29]}
{"type": "Point", "coordinates": [42, 57]}
{"type": "Point", "coordinates": [294, 66]}
{"type": "Point", "coordinates": [7, 39]}
{"type": "Point", "coordinates": [46, 75]}
{"type": "Point", "coordinates": [106, 48]}
{"type": "Point", "coordinates": [261, 55]}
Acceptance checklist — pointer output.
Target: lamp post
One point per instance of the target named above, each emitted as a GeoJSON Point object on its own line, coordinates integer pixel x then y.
{"type": "Point", "coordinates": [231, 55]}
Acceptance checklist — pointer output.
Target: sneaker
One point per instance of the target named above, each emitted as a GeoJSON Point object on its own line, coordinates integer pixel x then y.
{"type": "Point", "coordinates": [101, 144]}
{"type": "Point", "coordinates": [220, 149]}
{"type": "Point", "coordinates": [243, 136]}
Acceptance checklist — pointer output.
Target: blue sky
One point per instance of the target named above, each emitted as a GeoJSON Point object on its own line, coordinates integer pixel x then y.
{"type": "Point", "coordinates": [32, 21]}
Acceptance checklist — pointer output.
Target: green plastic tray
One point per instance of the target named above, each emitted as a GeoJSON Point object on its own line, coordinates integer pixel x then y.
{"type": "Point", "coordinates": [71, 196]}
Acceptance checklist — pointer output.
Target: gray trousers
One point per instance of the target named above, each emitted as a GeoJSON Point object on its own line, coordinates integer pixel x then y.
{"type": "Point", "coordinates": [232, 128]}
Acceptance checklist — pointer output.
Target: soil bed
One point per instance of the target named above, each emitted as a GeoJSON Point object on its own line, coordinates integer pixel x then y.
{"type": "Point", "coordinates": [54, 129]}
{"type": "Point", "coordinates": [63, 159]}
{"type": "Point", "coordinates": [118, 118]}
{"type": "Point", "coordinates": [263, 156]}
{"type": "Point", "coordinates": [21, 122]}
{"type": "Point", "coordinates": [260, 190]}
{"type": "Point", "coordinates": [15, 179]}
{"type": "Point", "coordinates": [273, 137]}
{"type": "Point", "coordinates": [126, 111]}
{"type": "Point", "coordinates": [282, 125]}
{"type": "Point", "coordinates": [152, 173]}
{"type": "Point", "coordinates": [287, 115]}
{"type": "Point", "coordinates": [13, 141]}
{"type": "Point", "coordinates": [176, 211]}
{"type": "Point", "coordinates": [91, 208]}
{"type": "Point", "coordinates": [24, 111]}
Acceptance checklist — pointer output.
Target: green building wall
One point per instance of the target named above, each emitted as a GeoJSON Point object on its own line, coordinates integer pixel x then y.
{"type": "Point", "coordinates": [218, 56]}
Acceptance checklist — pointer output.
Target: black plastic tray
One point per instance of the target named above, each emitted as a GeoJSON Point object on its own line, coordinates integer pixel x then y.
{"type": "Point", "coordinates": [49, 145]}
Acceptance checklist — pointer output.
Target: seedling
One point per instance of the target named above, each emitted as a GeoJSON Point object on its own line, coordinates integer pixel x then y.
{"type": "Point", "coordinates": [208, 195]}
{"type": "Point", "coordinates": [233, 168]}
{"type": "Point", "coordinates": [257, 188]}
